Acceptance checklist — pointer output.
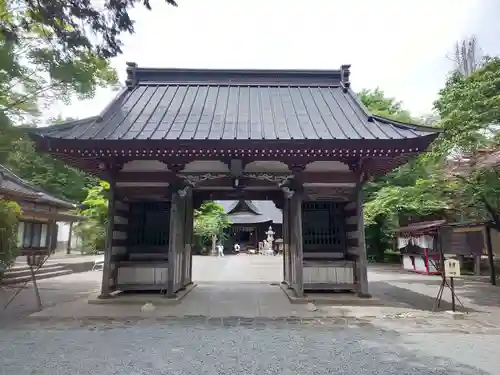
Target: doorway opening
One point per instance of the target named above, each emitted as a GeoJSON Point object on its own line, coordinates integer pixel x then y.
{"type": "Point", "coordinates": [256, 227]}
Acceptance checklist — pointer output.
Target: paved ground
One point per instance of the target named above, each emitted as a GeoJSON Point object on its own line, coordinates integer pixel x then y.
{"type": "Point", "coordinates": [362, 342]}
{"type": "Point", "coordinates": [188, 346]}
{"type": "Point", "coordinates": [53, 291]}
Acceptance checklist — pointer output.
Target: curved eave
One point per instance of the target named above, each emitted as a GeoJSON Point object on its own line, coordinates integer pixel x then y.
{"type": "Point", "coordinates": [58, 216]}
{"type": "Point", "coordinates": [58, 145]}
{"type": "Point", "coordinates": [249, 219]}
{"type": "Point", "coordinates": [60, 130]}
{"type": "Point", "coordinates": [24, 190]}
{"type": "Point", "coordinates": [250, 205]}
{"type": "Point", "coordinates": [417, 130]}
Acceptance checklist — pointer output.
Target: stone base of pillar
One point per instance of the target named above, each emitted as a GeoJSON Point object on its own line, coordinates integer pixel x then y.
{"type": "Point", "coordinates": [364, 295]}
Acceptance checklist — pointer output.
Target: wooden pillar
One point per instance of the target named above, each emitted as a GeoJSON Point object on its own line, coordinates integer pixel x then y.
{"type": "Point", "coordinates": [171, 244]}
{"type": "Point", "coordinates": [477, 265]}
{"type": "Point", "coordinates": [52, 229]}
{"type": "Point", "coordinates": [106, 270]}
{"type": "Point", "coordinates": [188, 240]}
{"type": "Point", "coordinates": [491, 260]}
{"type": "Point", "coordinates": [297, 242]}
{"type": "Point", "coordinates": [181, 243]}
{"type": "Point", "coordinates": [286, 242]}
{"type": "Point", "coordinates": [176, 244]}
{"type": "Point", "coordinates": [48, 236]}
{"type": "Point", "coordinates": [70, 234]}
{"type": "Point", "coordinates": [362, 262]}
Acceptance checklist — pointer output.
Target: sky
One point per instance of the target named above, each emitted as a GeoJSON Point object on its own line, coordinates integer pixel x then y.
{"type": "Point", "coordinates": [399, 46]}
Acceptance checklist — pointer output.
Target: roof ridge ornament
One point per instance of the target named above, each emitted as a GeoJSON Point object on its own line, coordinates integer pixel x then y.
{"type": "Point", "coordinates": [131, 80]}
{"type": "Point", "coordinates": [345, 72]}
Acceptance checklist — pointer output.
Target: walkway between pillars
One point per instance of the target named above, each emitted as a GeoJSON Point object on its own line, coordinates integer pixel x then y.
{"type": "Point", "coordinates": [243, 285]}
{"type": "Point", "coordinates": [232, 286]}
{"type": "Point", "coordinates": [243, 300]}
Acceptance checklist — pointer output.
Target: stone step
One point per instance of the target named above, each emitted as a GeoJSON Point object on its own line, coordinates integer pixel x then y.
{"type": "Point", "coordinates": [39, 276]}
{"type": "Point", "coordinates": [21, 269]}
{"type": "Point", "coordinates": [20, 274]}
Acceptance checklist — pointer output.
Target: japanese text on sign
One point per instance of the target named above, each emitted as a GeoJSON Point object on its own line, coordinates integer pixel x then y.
{"type": "Point", "coordinates": [451, 268]}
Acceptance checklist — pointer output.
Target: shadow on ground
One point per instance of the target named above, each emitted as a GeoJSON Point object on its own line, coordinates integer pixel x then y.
{"type": "Point", "coordinates": [394, 355]}
{"type": "Point", "coordinates": [420, 291]}
{"type": "Point", "coordinates": [394, 296]}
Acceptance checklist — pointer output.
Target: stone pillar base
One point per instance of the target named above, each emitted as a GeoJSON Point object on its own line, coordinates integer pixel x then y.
{"type": "Point", "coordinates": [364, 295]}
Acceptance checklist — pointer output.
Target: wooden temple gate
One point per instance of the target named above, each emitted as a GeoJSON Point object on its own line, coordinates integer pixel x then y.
{"type": "Point", "coordinates": [175, 138]}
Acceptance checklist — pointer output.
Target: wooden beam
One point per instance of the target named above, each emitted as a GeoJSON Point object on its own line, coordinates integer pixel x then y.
{"type": "Point", "coordinates": [245, 180]}
{"type": "Point", "coordinates": [235, 195]}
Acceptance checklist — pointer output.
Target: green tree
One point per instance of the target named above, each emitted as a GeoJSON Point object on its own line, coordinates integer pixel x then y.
{"type": "Point", "coordinates": [396, 192]}
{"type": "Point", "coordinates": [75, 26]}
{"type": "Point", "coordinates": [9, 221]}
{"type": "Point", "coordinates": [478, 195]}
{"type": "Point", "coordinates": [94, 208]}
{"type": "Point", "coordinates": [469, 107]}
{"type": "Point", "coordinates": [378, 104]}
{"type": "Point", "coordinates": [50, 174]}
{"type": "Point", "coordinates": [37, 68]}
{"type": "Point", "coordinates": [210, 220]}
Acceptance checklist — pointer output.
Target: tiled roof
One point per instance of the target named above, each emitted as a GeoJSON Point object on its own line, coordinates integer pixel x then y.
{"type": "Point", "coordinates": [9, 182]}
{"type": "Point", "coordinates": [266, 211]}
{"type": "Point", "coordinates": [185, 104]}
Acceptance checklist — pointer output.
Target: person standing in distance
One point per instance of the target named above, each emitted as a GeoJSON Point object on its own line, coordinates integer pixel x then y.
{"type": "Point", "coordinates": [220, 249]}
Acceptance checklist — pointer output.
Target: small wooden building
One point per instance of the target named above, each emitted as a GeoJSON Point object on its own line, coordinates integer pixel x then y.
{"type": "Point", "coordinates": [40, 212]}
{"type": "Point", "coordinates": [176, 137]}
{"type": "Point", "coordinates": [250, 221]}
{"type": "Point", "coordinates": [424, 241]}
{"type": "Point", "coordinates": [419, 246]}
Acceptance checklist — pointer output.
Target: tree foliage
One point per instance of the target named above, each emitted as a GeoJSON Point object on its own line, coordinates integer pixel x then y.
{"type": "Point", "coordinates": [408, 189]}
{"type": "Point", "coordinates": [468, 112]}
{"type": "Point", "coordinates": [9, 221]}
{"type": "Point", "coordinates": [76, 26]}
{"type": "Point", "coordinates": [37, 68]}
{"type": "Point", "coordinates": [36, 65]}
{"type": "Point", "coordinates": [210, 220]}
{"type": "Point", "coordinates": [378, 104]}
{"type": "Point", "coordinates": [52, 175]}
{"type": "Point", "coordinates": [469, 107]}
{"type": "Point", "coordinates": [94, 208]}
{"type": "Point", "coordinates": [43, 60]}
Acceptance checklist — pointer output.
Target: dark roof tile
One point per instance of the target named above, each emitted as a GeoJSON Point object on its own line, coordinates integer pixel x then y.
{"type": "Point", "coordinates": [260, 212]}
{"type": "Point", "coordinates": [212, 104]}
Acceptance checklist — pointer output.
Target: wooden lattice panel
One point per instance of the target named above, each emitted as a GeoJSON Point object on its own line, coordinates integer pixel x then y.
{"type": "Point", "coordinates": [323, 227]}
{"type": "Point", "coordinates": [149, 224]}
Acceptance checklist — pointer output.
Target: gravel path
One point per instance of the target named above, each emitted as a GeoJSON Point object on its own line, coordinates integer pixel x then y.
{"type": "Point", "coordinates": [190, 346]}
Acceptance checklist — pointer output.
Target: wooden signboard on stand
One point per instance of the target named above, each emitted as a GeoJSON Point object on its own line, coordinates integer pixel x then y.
{"type": "Point", "coordinates": [452, 268]}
